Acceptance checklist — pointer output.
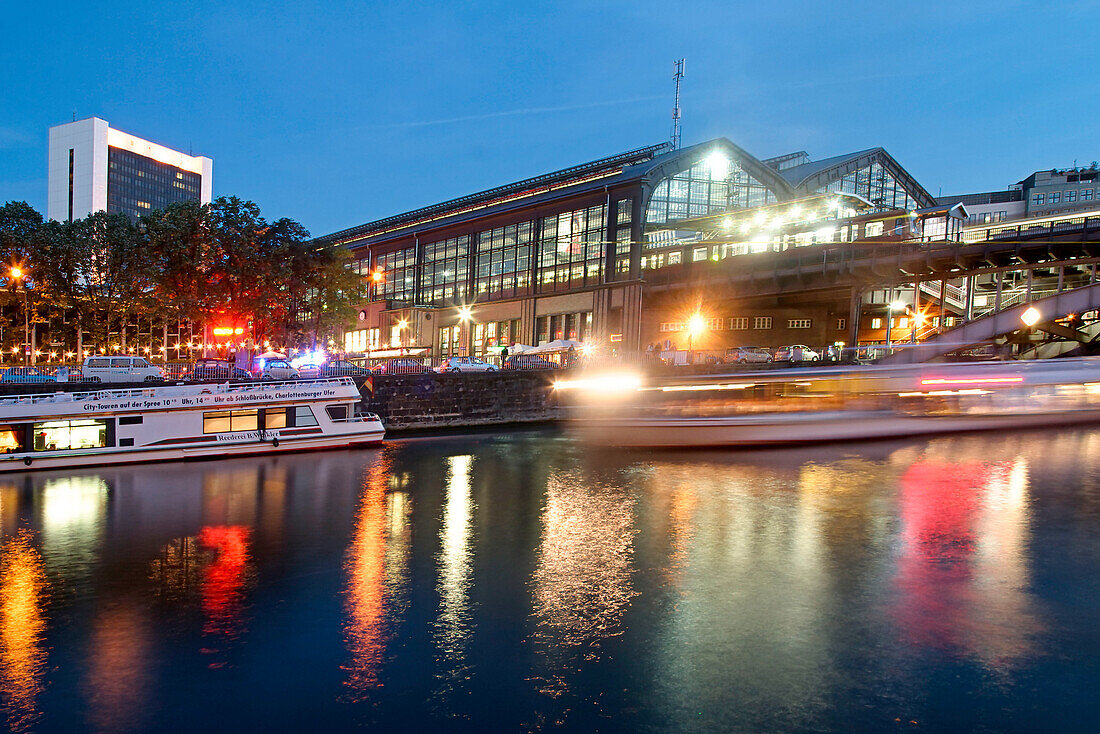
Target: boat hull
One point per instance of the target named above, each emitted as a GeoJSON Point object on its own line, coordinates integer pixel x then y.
{"type": "Point", "coordinates": [42, 462]}
{"type": "Point", "coordinates": [805, 428]}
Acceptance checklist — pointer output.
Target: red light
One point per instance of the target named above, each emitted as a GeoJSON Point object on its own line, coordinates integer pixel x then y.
{"type": "Point", "coordinates": [970, 380]}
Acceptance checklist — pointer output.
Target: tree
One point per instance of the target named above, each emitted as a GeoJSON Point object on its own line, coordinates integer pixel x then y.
{"type": "Point", "coordinates": [19, 227]}
{"type": "Point", "coordinates": [321, 292]}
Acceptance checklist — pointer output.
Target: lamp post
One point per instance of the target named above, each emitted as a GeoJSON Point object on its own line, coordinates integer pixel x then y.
{"type": "Point", "coordinates": [18, 274]}
{"type": "Point", "coordinates": [890, 309]}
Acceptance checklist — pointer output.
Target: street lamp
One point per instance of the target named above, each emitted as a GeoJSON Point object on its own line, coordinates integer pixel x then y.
{"type": "Point", "coordinates": [696, 326]}
{"type": "Point", "coordinates": [465, 314]}
{"type": "Point", "coordinates": [1031, 316]}
{"type": "Point", "coordinates": [17, 273]}
{"type": "Point", "coordinates": [890, 308]}
{"type": "Point", "coordinates": [401, 326]}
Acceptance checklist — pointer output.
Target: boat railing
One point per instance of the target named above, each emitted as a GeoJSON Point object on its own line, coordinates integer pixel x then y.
{"type": "Point", "coordinates": [172, 390]}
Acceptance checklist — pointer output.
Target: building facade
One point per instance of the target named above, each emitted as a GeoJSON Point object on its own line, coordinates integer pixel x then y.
{"type": "Point", "coordinates": [94, 167]}
{"type": "Point", "coordinates": [1043, 193]}
{"type": "Point", "coordinates": [575, 254]}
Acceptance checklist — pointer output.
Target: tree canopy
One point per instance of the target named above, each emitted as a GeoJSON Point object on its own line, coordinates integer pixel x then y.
{"type": "Point", "coordinates": [215, 263]}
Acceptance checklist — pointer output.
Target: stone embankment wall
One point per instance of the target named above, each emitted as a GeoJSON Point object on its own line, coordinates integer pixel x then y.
{"type": "Point", "coordinates": [414, 402]}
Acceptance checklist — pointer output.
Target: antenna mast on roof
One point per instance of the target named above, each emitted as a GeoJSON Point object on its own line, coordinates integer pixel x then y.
{"type": "Point", "coordinates": [679, 65]}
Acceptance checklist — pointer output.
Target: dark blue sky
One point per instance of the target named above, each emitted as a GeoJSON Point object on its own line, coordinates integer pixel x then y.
{"type": "Point", "coordinates": [336, 113]}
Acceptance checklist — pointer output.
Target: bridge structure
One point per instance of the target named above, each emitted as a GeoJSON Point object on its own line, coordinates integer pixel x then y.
{"type": "Point", "coordinates": [992, 269]}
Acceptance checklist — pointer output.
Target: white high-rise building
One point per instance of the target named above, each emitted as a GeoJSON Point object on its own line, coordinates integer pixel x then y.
{"type": "Point", "coordinates": [94, 167]}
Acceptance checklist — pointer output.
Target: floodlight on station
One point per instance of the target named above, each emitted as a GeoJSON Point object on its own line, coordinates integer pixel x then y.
{"type": "Point", "coordinates": [897, 305]}
{"type": "Point", "coordinates": [464, 313]}
{"type": "Point", "coordinates": [719, 165]}
{"type": "Point", "coordinates": [1031, 316]}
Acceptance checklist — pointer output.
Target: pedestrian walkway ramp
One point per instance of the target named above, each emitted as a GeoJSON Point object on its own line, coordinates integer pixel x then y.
{"type": "Point", "coordinates": [1007, 321]}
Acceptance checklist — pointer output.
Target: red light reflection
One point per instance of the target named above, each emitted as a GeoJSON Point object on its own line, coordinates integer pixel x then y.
{"type": "Point", "coordinates": [963, 569]}
{"type": "Point", "coordinates": [223, 580]}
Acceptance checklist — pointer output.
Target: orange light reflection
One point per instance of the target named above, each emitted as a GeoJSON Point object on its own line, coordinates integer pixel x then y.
{"type": "Point", "coordinates": [22, 624]}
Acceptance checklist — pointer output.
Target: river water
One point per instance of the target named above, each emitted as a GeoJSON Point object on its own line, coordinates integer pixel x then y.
{"type": "Point", "coordinates": [522, 582]}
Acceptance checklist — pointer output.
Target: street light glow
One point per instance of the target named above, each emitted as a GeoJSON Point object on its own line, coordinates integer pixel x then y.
{"type": "Point", "coordinates": [17, 272]}
{"type": "Point", "coordinates": [464, 313]}
{"type": "Point", "coordinates": [697, 324]}
{"type": "Point", "coordinates": [1031, 316]}
{"type": "Point", "coordinates": [897, 305]}
{"type": "Point", "coordinates": [402, 324]}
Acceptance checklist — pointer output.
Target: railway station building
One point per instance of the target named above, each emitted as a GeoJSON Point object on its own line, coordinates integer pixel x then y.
{"type": "Point", "coordinates": [608, 252]}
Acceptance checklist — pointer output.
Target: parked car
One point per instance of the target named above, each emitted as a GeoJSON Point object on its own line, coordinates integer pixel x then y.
{"type": "Point", "coordinates": [343, 368]}
{"type": "Point", "coordinates": [796, 353]}
{"type": "Point", "coordinates": [465, 364]}
{"type": "Point", "coordinates": [309, 371]}
{"type": "Point", "coordinates": [25, 375]}
{"type": "Point", "coordinates": [529, 362]}
{"type": "Point", "coordinates": [120, 369]}
{"type": "Point", "coordinates": [748, 355]}
{"type": "Point", "coordinates": [402, 366]}
{"type": "Point", "coordinates": [209, 368]}
{"type": "Point", "coordinates": [278, 369]}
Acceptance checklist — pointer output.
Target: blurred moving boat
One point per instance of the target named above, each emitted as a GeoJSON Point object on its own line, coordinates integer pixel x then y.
{"type": "Point", "coordinates": [821, 405]}
{"type": "Point", "coordinates": [61, 430]}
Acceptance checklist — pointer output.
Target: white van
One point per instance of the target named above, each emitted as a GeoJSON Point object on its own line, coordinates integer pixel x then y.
{"type": "Point", "coordinates": [120, 369]}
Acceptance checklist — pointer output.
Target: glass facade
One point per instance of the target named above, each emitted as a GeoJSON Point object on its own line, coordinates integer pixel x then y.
{"type": "Point", "coordinates": [712, 185]}
{"type": "Point", "coordinates": [444, 272]}
{"type": "Point", "coordinates": [875, 184]}
{"type": "Point", "coordinates": [571, 249]}
{"type": "Point", "coordinates": [398, 275]}
{"type": "Point", "coordinates": [136, 185]}
{"type": "Point", "coordinates": [504, 262]}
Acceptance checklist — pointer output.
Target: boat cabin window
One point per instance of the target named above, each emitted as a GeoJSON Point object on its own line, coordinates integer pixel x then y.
{"type": "Point", "coordinates": [130, 420]}
{"type": "Point", "coordinates": [11, 439]}
{"type": "Point", "coordinates": [303, 416]}
{"type": "Point", "coordinates": [225, 421]}
{"type": "Point", "coordinates": [337, 412]}
{"type": "Point", "coordinates": [274, 418]}
{"type": "Point", "coordinates": [78, 434]}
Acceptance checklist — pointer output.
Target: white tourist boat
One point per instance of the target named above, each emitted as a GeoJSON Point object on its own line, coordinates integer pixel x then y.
{"type": "Point", "coordinates": [63, 429]}
{"type": "Point", "coordinates": [813, 406]}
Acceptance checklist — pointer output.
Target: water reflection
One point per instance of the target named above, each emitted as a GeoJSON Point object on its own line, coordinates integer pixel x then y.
{"type": "Point", "coordinates": [963, 571]}
{"type": "Point", "coordinates": [119, 661]}
{"type": "Point", "coordinates": [376, 569]}
{"type": "Point", "coordinates": [452, 628]}
{"type": "Point", "coordinates": [224, 578]}
{"type": "Point", "coordinates": [22, 626]}
{"type": "Point", "coordinates": [582, 579]}
{"type": "Point", "coordinates": [215, 566]}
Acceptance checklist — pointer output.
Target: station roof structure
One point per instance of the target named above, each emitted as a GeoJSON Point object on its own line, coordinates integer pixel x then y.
{"type": "Point", "coordinates": [779, 179]}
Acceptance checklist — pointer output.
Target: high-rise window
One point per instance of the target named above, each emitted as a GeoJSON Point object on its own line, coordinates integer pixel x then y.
{"type": "Point", "coordinates": [136, 185]}
{"type": "Point", "coordinates": [1055, 197]}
